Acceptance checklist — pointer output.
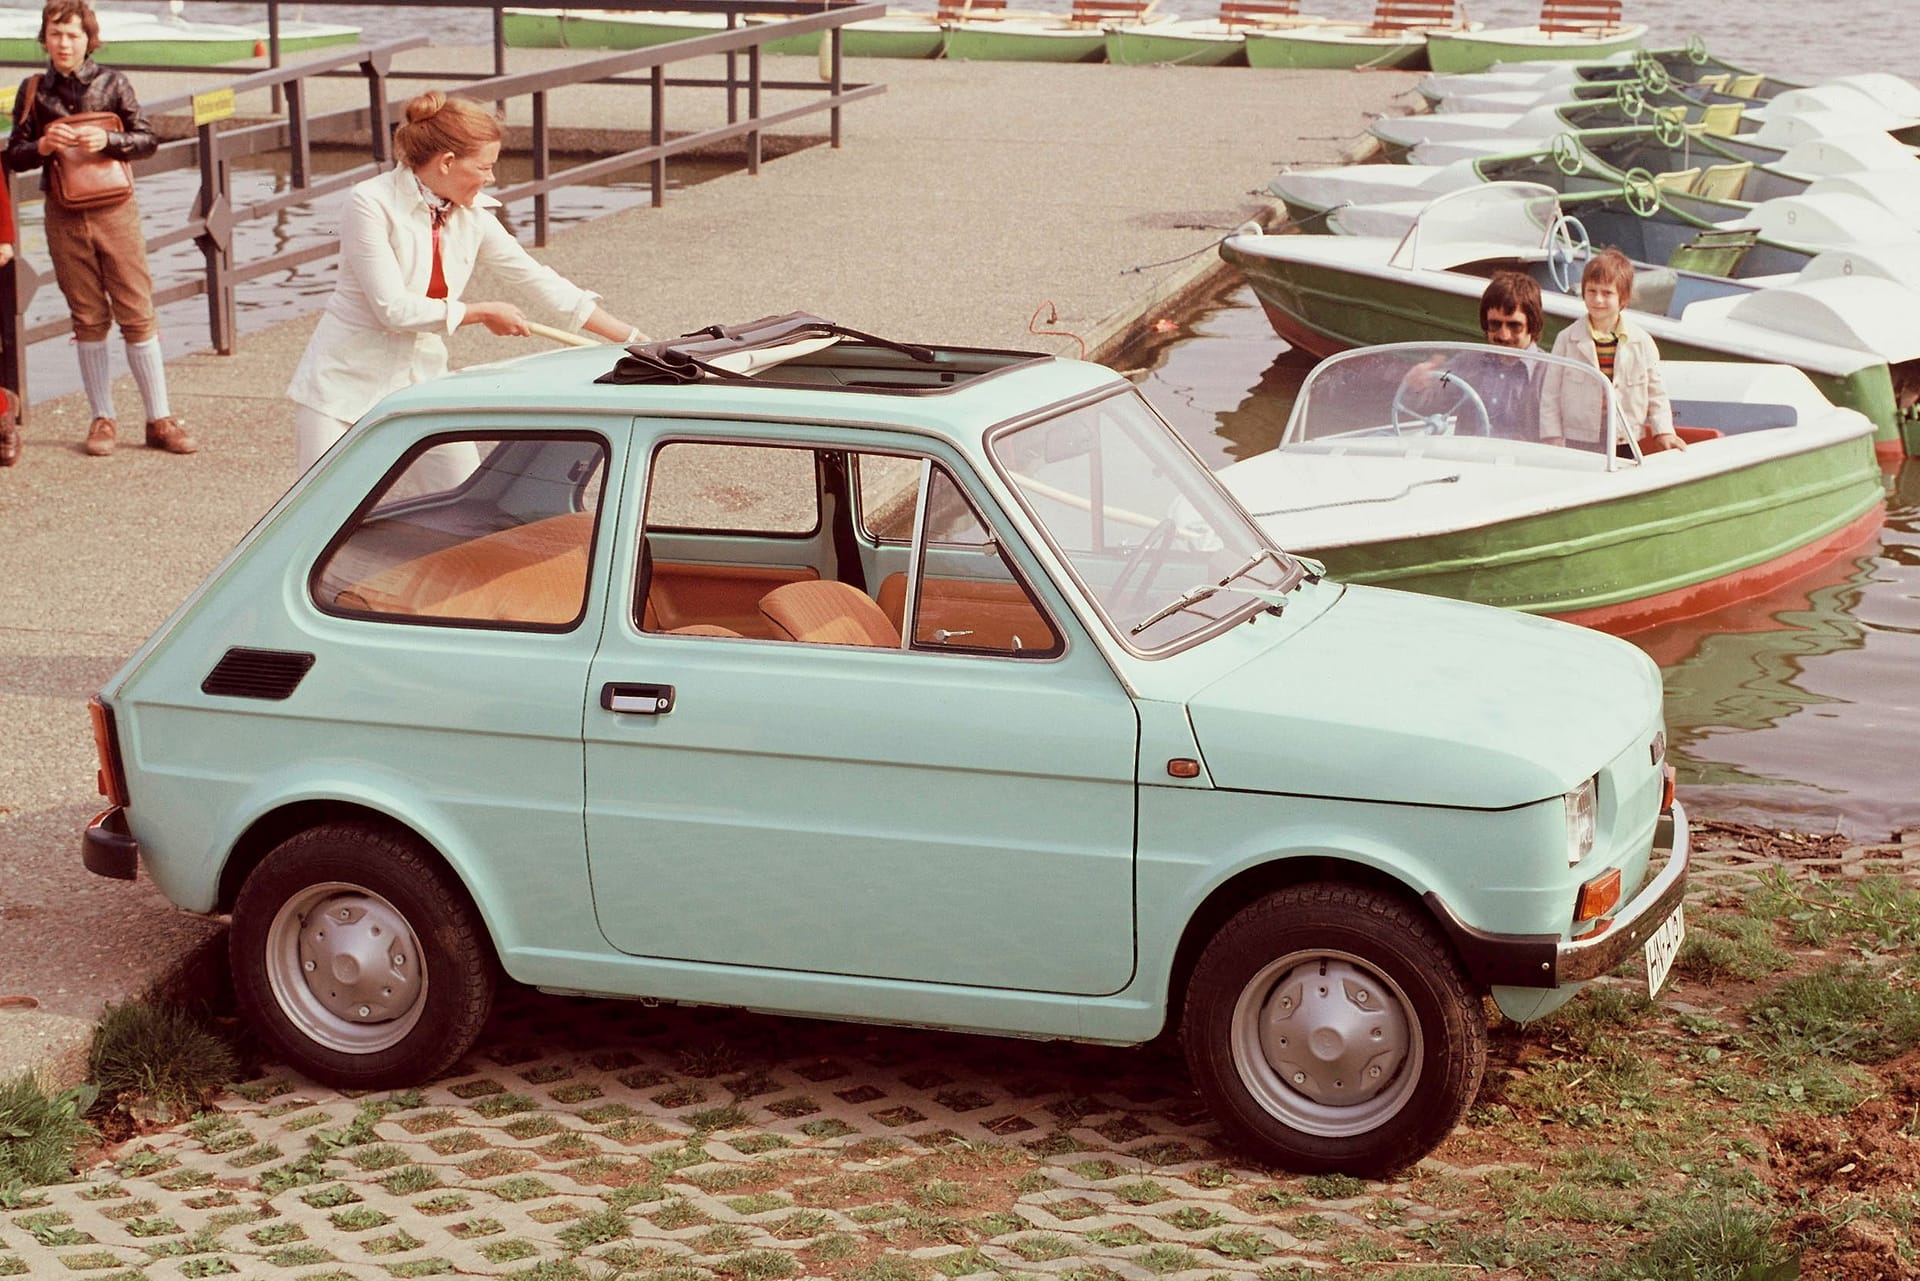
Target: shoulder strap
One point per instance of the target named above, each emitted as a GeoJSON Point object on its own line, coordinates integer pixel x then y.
{"type": "Point", "coordinates": [33, 89]}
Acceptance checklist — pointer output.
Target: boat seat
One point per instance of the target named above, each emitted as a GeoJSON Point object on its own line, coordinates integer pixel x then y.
{"type": "Point", "coordinates": [1727, 418]}
{"type": "Point", "coordinates": [1694, 435]}
{"type": "Point", "coordinates": [1259, 13]}
{"type": "Point", "coordinates": [1714, 253]}
{"type": "Point", "coordinates": [1109, 13]}
{"type": "Point", "coordinates": [1393, 16]}
{"type": "Point", "coordinates": [1579, 17]}
{"type": "Point", "coordinates": [1716, 82]}
{"type": "Point", "coordinates": [1723, 182]}
{"type": "Point", "coordinates": [958, 10]}
{"type": "Point", "coordinates": [1722, 119]}
{"type": "Point", "coordinates": [828, 612]}
{"type": "Point", "coordinates": [1680, 180]}
{"type": "Point", "coordinates": [1744, 86]}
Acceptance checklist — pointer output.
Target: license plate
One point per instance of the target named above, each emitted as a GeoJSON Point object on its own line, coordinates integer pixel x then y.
{"type": "Point", "coordinates": [1663, 947]}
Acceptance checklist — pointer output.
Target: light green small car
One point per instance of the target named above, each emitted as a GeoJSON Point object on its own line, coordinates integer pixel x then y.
{"type": "Point", "coordinates": [935, 686]}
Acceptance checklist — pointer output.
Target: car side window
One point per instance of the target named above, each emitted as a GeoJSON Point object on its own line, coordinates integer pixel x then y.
{"type": "Point", "coordinates": [968, 595]}
{"type": "Point", "coordinates": [475, 531]}
{"type": "Point", "coordinates": [760, 542]}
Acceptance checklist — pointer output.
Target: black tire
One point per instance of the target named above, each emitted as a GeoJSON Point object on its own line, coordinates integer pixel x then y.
{"type": "Point", "coordinates": [395, 993]}
{"type": "Point", "coordinates": [1385, 1058]}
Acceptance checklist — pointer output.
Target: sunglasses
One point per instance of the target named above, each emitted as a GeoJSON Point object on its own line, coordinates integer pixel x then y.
{"type": "Point", "coordinates": [1502, 326]}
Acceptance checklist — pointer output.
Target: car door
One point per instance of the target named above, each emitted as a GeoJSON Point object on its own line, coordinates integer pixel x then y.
{"type": "Point", "coordinates": [952, 810]}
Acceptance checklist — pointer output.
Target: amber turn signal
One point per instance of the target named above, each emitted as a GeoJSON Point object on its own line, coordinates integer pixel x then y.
{"type": "Point", "coordinates": [1597, 896]}
{"type": "Point", "coordinates": [1666, 789]}
{"type": "Point", "coordinates": [106, 747]}
{"type": "Point", "coordinates": [1181, 767]}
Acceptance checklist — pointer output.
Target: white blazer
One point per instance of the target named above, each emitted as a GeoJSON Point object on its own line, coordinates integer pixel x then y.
{"type": "Point", "coordinates": [381, 332]}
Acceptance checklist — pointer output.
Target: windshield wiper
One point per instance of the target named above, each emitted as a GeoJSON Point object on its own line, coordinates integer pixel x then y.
{"type": "Point", "coordinates": [1294, 571]}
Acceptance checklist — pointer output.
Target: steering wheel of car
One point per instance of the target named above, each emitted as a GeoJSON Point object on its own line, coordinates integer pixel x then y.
{"type": "Point", "coordinates": [1459, 395]}
{"type": "Point", "coordinates": [1696, 48]}
{"type": "Point", "coordinates": [1668, 130]}
{"type": "Point", "coordinates": [1641, 192]}
{"type": "Point", "coordinates": [1568, 248]}
{"type": "Point", "coordinates": [1632, 101]}
{"type": "Point", "coordinates": [1566, 154]}
{"type": "Point", "coordinates": [1147, 555]}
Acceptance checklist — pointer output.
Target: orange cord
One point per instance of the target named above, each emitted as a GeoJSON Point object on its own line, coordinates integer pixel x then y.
{"type": "Point", "coordinates": [1053, 318]}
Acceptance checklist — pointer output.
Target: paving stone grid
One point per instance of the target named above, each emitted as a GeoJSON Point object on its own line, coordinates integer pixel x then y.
{"type": "Point", "coordinates": [688, 1144]}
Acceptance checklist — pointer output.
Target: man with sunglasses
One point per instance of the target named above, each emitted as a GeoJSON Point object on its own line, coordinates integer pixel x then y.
{"type": "Point", "coordinates": [1511, 317]}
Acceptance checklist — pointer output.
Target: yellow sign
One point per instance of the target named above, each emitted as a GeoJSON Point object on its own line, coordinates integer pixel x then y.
{"type": "Point", "coordinates": [215, 104]}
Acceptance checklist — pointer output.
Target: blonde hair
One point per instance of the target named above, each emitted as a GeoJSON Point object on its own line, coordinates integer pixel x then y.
{"type": "Point", "coordinates": [437, 124]}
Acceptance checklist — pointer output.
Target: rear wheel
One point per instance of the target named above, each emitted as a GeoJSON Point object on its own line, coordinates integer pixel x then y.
{"type": "Point", "coordinates": [1329, 1027]}
{"type": "Point", "coordinates": [359, 959]}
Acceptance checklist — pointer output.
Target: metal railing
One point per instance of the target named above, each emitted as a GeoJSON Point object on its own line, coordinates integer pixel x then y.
{"type": "Point", "coordinates": [212, 150]}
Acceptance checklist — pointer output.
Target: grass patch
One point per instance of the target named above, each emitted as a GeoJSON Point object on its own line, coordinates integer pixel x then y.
{"type": "Point", "coordinates": [158, 1060]}
{"type": "Point", "coordinates": [40, 1132]}
{"type": "Point", "coordinates": [1851, 1013]}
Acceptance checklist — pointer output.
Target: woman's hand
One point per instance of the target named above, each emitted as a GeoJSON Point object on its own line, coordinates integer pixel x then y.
{"type": "Point", "coordinates": [502, 318]}
{"type": "Point", "coordinates": [61, 134]}
{"type": "Point", "coordinates": [6, 254]}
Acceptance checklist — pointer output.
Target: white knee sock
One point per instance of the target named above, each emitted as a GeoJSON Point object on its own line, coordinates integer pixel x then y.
{"type": "Point", "coordinates": [151, 373]}
{"type": "Point", "coordinates": [96, 377]}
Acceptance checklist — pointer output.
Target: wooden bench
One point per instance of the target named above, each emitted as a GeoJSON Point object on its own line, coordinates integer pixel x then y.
{"type": "Point", "coordinates": [1579, 17]}
{"type": "Point", "coordinates": [1259, 13]}
{"type": "Point", "coordinates": [1392, 16]}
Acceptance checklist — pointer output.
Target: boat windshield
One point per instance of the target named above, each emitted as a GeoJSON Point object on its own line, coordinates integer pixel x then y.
{"type": "Point", "coordinates": [1403, 397]}
{"type": "Point", "coordinates": [1479, 222]}
{"type": "Point", "coordinates": [1143, 526]}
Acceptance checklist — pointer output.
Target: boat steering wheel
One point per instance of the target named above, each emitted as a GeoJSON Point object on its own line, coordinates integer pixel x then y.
{"type": "Point", "coordinates": [1655, 77]}
{"type": "Point", "coordinates": [1696, 48]}
{"type": "Point", "coordinates": [1632, 102]}
{"type": "Point", "coordinates": [1668, 131]}
{"type": "Point", "coordinates": [1568, 249]}
{"type": "Point", "coordinates": [1566, 154]}
{"type": "Point", "coordinates": [1641, 192]}
{"type": "Point", "coordinates": [1408, 421]}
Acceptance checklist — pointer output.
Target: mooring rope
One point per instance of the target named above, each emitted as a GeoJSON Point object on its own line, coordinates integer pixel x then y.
{"type": "Point", "coordinates": [1359, 502]}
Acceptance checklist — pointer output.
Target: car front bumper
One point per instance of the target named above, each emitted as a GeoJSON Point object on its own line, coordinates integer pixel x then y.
{"type": "Point", "coordinates": [108, 848]}
{"type": "Point", "coordinates": [1548, 961]}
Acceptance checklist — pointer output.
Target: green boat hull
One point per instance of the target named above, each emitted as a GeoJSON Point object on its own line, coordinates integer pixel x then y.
{"type": "Point", "coordinates": [1288, 51]}
{"type": "Point", "coordinates": [551, 31]}
{"type": "Point", "coordinates": [1323, 310]}
{"type": "Point", "coordinates": [1649, 556]}
{"type": "Point", "coordinates": [967, 43]}
{"type": "Point", "coordinates": [1136, 49]}
{"type": "Point", "coordinates": [1457, 52]}
{"type": "Point", "coordinates": [857, 42]}
{"type": "Point", "coordinates": [194, 53]}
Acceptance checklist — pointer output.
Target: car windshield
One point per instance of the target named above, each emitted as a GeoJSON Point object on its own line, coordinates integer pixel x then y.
{"type": "Point", "coordinates": [1422, 397]}
{"type": "Point", "coordinates": [1146, 530]}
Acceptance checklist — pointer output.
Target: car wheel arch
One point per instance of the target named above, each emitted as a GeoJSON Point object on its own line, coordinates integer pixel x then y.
{"type": "Point", "coordinates": [273, 828]}
{"type": "Point", "coordinates": [1254, 883]}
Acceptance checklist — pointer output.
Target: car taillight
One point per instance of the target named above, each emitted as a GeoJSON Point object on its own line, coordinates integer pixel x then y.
{"type": "Point", "coordinates": [106, 746]}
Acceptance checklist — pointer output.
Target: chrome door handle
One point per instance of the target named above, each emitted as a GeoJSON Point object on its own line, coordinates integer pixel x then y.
{"type": "Point", "coordinates": [637, 700]}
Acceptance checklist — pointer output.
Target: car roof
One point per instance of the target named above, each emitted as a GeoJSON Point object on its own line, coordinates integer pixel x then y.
{"type": "Point", "coordinates": [960, 394]}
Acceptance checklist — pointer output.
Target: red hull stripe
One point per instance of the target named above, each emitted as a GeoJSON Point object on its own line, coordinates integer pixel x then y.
{"type": "Point", "coordinates": [1701, 598]}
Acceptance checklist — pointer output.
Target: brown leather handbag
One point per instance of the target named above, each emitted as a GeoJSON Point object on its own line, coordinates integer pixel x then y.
{"type": "Point", "coordinates": [82, 179]}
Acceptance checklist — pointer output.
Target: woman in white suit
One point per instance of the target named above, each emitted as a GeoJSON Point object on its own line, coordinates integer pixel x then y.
{"type": "Point", "coordinates": [411, 241]}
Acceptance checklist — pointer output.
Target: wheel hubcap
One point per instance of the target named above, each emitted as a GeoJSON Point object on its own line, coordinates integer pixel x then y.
{"type": "Point", "coordinates": [1326, 1043]}
{"type": "Point", "coordinates": [346, 968]}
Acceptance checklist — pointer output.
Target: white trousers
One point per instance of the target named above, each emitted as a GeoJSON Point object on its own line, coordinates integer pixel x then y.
{"type": "Point", "coordinates": [314, 434]}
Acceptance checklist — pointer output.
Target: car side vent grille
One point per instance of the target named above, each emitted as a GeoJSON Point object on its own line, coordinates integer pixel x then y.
{"type": "Point", "coordinates": [256, 673]}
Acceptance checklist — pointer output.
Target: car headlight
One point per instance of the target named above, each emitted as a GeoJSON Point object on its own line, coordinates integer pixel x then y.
{"type": "Point", "coordinates": [1581, 803]}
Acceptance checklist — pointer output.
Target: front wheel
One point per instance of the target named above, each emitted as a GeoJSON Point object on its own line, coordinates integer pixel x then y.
{"type": "Point", "coordinates": [359, 960]}
{"type": "Point", "coordinates": [1329, 1028]}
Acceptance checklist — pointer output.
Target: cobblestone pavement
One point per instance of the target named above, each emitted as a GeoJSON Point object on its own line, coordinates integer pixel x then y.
{"type": "Point", "coordinates": [601, 1138]}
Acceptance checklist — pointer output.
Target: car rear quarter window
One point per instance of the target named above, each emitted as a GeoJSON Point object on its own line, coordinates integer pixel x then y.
{"type": "Point", "coordinates": [476, 531]}
{"type": "Point", "coordinates": [744, 489]}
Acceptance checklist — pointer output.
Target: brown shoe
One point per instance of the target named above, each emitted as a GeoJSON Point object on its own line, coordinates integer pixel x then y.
{"type": "Point", "coordinates": [100, 438]}
{"type": "Point", "coordinates": [9, 430]}
{"type": "Point", "coordinates": [170, 434]}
